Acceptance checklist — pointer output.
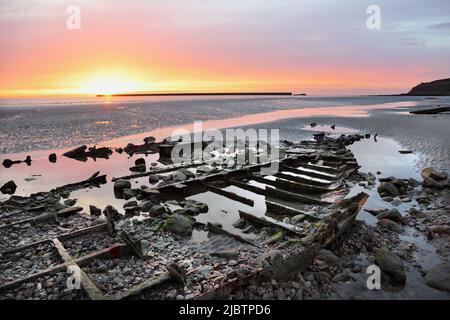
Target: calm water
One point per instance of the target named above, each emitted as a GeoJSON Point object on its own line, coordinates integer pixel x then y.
{"type": "Point", "coordinates": [38, 124]}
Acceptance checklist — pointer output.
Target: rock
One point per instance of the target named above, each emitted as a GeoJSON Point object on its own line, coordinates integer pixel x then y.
{"type": "Point", "coordinates": [298, 218]}
{"type": "Point", "coordinates": [204, 169]}
{"type": "Point", "coordinates": [157, 210]}
{"type": "Point", "coordinates": [52, 157]}
{"type": "Point", "coordinates": [69, 211]}
{"type": "Point", "coordinates": [342, 277]}
{"type": "Point", "coordinates": [226, 254]}
{"type": "Point", "coordinates": [172, 294]}
{"type": "Point", "coordinates": [439, 277]}
{"type": "Point", "coordinates": [440, 229]}
{"type": "Point", "coordinates": [120, 185]}
{"type": "Point", "coordinates": [392, 214]}
{"type": "Point", "coordinates": [328, 257]}
{"type": "Point", "coordinates": [389, 225]}
{"type": "Point", "coordinates": [153, 178]}
{"type": "Point", "coordinates": [149, 140]}
{"type": "Point", "coordinates": [387, 188]}
{"type": "Point", "coordinates": [413, 182]}
{"type": "Point", "coordinates": [78, 152]}
{"type": "Point", "coordinates": [147, 205]}
{"type": "Point", "coordinates": [128, 193]}
{"type": "Point", "coordinates": [189, 174]}
{"type": "Point", "coordinates": [70, 202]}
{"type": "Point", "coordinates": [356, 269]}
{"type": "Point", "coordinates": [130, 204]}
{"type": "Point", "coordinates": [94, 210]}
{"type": "Point", "coordinates": [433, 174]}
{"type": "Point", "coordinates": [179, 224]}
{"type": "Point", "coordinates": [179, 176]}
{"type": "Point", "coordinates": [145, 245]}
{"type": "Point", "coordinates": [416, 213]}
{"type": "Point", "coordinates": [205, 270]}
{"type": "Point", "coordinates": [273, 257]}
{"type": "Point", "coordinates": [434, 179]}
{"type": "Point", "coordinates": [139, 162]}
{"type": "Point", "coordinates": [404, 151]}
{"type": "Point", "coordinates": [9, 187]}
{"type": "Point", "coordinates": [391, 266]}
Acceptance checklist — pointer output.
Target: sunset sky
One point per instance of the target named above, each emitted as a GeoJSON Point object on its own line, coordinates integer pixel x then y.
{"type": "Point", "coordinates": [316, 47]}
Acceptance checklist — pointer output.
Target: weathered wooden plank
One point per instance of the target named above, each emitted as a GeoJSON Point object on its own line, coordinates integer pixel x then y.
{"type": "Point", "coordinates": [248, 187]}
{"type": "Point", "coordinates": [293, 197]}
{"type": "Point", "coordinates": [302, 180]}
{"type": "Point", "coordinates": [311, 172]}
{"type": "Point", "coordinates": [269, 222]}
{"type": "Point", "coordinates": [231, 195]}
{"type": "Point", "coordinates": [277, 208]}
{"type": "Point", "coordinates": [294, 186]}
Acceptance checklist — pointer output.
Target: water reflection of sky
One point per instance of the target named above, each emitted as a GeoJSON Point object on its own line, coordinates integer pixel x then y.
{"type": "Point", "coordinates": [382, 155]}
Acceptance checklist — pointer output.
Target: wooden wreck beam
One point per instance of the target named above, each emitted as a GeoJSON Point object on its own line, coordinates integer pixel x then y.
{"type": "Point", "coordinates": [292, 185]}
{"type": "Point", "coordinates": [224, 291]}
{"type": "Point", "coordinates": [280, 209]}
{"type": "Point", "coordinates": [314, 174]}
{"type": "Point", "coordinates": [143, 286]}
{"type": "Point", "coordinates": [95, 179]}
{"type": "Point", "coordinates": [293, 197]}
{"type": "Point", "coordinates": [303, 180]}
{"type": "Point", "coordinates": [49, 271]}
{"type": "Point", "coordinates": [215, 229]}
{"type": "Point", "coordinates": [149, 173]}
{"type": "Point", "coordinates": [231, 195]}
{"type": "Point", "coordinates": [325, 168]}
{"type": "Point", "coordinates": [269, 222]}
{"type": "Point", "coordinates": [248, 187]}
{"type": "Point", "coordinates": [93, 292]}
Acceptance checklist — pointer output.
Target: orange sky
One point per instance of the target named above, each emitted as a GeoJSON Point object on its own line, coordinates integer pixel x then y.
{"type": "Point", "coordinates": [164, 46]}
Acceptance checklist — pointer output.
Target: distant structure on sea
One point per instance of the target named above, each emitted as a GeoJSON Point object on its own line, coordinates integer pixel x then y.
{"type": "Point", "coordinates": [198, 94]}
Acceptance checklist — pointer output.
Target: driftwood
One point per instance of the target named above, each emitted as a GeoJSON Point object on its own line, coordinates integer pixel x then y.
{"type": "Point", "coordinates": [95, 179]}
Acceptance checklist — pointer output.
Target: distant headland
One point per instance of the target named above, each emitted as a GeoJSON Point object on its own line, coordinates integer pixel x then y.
{"type": "Point", "coordinates": [434, 88]}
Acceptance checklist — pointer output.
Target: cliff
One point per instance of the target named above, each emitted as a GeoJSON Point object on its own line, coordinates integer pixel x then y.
{"type": "Point", "coordinates": [433, 88]}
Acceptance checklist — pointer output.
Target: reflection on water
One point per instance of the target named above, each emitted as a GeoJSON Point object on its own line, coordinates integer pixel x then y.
{"type": "Point", "coordinates": [382, 155]}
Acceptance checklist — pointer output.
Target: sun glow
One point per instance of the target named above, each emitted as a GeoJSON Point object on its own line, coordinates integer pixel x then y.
{"type": "Point", "coordinates": [112, 83]}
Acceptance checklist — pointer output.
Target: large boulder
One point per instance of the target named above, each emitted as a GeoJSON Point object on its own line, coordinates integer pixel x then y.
{"type": "Point", "coordinates": [393, 270]}
{"type": "Point", "coordinates": [439, 277]}
{"type": "Point", "coordinates": [9, 187]}
{"type": "Point", "coordinates": [434, 179]}
{"type": "Point", "coordinates": [120, 185]}
{"type": "Point", "coordinates": [179, 224]}
{"type": "Point", "coordinates": [328, 257]}
{"type": "Point", "coordinates": [157, 210]}
{"type": "Point", "coordinates": [388, 189]}
{"type": "Point", "coordinates": [391, 214]}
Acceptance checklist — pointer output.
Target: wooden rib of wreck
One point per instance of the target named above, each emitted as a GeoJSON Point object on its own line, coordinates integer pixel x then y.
{"type": "Point", "coordinates": [303, 213]}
